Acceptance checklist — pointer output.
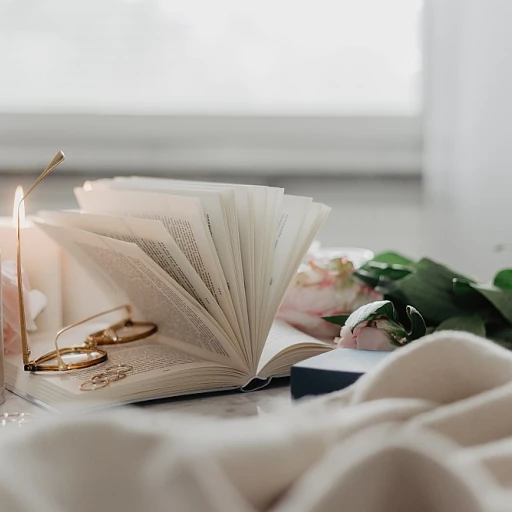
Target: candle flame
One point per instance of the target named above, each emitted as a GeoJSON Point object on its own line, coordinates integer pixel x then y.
{"type": "Point", "coordinates": [17, 200]}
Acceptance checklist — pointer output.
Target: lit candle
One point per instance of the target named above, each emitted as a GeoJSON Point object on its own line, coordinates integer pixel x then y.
{"type": "Point", "coordinates": [41, 260]}
{"type": "Point", "coordinates": [2, 372]}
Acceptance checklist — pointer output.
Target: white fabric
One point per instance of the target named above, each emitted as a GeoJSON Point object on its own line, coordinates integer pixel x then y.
{"type": "Point", "coordinates": [430, 429]}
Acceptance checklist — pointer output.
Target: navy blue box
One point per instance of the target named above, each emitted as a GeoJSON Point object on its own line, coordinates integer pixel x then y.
{"type": "Point", "coordinates": [332, 371]}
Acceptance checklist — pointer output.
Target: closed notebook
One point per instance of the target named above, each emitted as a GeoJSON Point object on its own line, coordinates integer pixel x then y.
{"type": "Point", "coordinates": [332, 371]}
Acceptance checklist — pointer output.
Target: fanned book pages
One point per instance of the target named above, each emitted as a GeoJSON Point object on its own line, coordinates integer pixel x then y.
{"type": "Point", "coordinates": [208, 263]}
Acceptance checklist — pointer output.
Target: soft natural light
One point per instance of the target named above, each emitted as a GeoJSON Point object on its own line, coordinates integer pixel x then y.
{"type": "Point", "coordinates": [18, 196]}
{"type": "Point", "coordinates": [204, 56]}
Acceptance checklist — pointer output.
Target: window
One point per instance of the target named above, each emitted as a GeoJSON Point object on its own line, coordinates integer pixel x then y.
{"type": "Point", "coordinates": [326, 85]}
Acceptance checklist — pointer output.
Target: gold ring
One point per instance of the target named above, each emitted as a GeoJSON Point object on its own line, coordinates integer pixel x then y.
{"type": "Point", "coordinates": [110, 376]}
{"type": "Point", "coordinates": [124, 368]}
{"type": "Point", "coordinates": [94, 384]}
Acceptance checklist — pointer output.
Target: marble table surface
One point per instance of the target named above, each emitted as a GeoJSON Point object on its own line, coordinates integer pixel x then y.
{"type": "Point", "coordinates": [225, 405]}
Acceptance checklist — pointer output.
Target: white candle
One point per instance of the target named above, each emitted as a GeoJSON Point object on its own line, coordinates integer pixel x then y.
{"type": "Point", "coordinates": [41, 260]}
{"type": "Point", "coordinates": [2, 372]}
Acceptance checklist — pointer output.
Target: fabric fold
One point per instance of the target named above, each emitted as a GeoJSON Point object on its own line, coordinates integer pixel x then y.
{"type": "Point", "coordinates": [429, 429]}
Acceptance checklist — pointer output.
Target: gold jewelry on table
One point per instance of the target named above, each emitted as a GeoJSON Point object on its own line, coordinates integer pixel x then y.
{"type": "Point", "coordinates": [84, 355]}
{"type": "Point", "coordinates": [17, 419]}
{"type": "Point", "coordinates": [103, 379]}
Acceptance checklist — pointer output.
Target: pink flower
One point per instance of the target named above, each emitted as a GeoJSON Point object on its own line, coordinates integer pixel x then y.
{"type": "Point", "coordinates": [373, 335]}
{"type": "Point", "coordinates": [364, 338]}
{"type": "Point", "coordinates": [35, 302]}
{"type": "Point", "coordinates": [323, 288]}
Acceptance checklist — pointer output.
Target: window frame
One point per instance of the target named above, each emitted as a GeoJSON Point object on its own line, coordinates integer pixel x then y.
{"type": "Point", "coordinates": [197, 145]}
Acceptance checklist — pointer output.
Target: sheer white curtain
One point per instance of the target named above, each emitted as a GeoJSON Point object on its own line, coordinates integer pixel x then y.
{"type": "Point", "coordinates": [468, 133]}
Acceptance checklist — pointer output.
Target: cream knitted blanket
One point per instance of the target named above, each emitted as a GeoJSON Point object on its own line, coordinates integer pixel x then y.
{"type": "Point", "coordinates": [429, 430]}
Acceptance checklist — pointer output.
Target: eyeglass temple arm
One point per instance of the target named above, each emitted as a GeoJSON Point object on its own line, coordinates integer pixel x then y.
{"type": "Point", "coordinates": [21, 301]}
{"type": "Point", "coordinates": [57, 160]}
{"type": "Point", "coordinates": [60, 362]}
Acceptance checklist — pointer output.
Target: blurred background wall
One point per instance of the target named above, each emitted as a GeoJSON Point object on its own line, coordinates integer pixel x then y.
{"type": "Point", "coordinates": [468, 136]}
{"type": "Point", "coordinates": [394, 113]}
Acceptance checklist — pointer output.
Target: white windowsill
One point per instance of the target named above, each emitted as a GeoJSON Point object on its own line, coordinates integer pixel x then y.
{"type": "Point", "coordinates": [221, 144]}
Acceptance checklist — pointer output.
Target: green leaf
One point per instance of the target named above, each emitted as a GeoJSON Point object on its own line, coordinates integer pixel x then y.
{"type": "Point", "coordinates": [392, 258]}
{"type": "Point", "coordinates": [400, 308]}
{"type": "Point", "coordinates": [468, 296]}
{"type": "Point", "coordinates": [380, 284]}
{"type": "Point", "coordinates": [388, 265]}
{"type": "Point", "coordinates": [368, 312]}
{"type": "Point", "coordinates": [337, 319]}
{"type": "Point", "coordinates": [393, 271]}
{"type": "Point", "coordinates": [473, 302]}
{"type": "Point", "coordinates": [430, 290]}
{"type": "Point", "coordinates": [500, 299]}
{"type": "Point", "coordinates": [418, 327]}
{"type": "Point", "coordinates": [366, 277]}
{"type": "Point", "coordinates": [503, 279]}
{"type": "Point", "coordinates": [474, 324]}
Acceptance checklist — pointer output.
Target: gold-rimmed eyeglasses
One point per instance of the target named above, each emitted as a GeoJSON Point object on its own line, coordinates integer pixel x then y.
{"type": "Point", "coordinates": [86, 354]}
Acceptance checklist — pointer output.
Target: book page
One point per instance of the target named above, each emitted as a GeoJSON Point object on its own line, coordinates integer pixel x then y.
{"type": "Point", "coordinates": [300, 221]}
{"type": "Point", "coordinates": [289, 262]}
{"type": "Point", "coordinates": [156, 296]}
{"type": "Point", "coordinates": [245, 217]}
{"type": "Point", "coordinates": [150, 359]}
{"type": "Point", "coordinates": [158, 370]}
{"type": "Point", "coordinates": [286, 346]}
{"type": "Point", "coordinates": [267, 214]}
{"type": "Point", "coordinates": [218, 203]}
{"type": "Point", "coordinates": [275, 233]}
{"type": "Point", "coordinates": [152, 237]}
{"type": "Point", "coordinates": [184, 219]}
{"type": "Point", "coordinates": [291, 227]}
{"type": "Point", "coordinates": [291, 222]}
{"type": "Point", "coordinates": [258, 211]}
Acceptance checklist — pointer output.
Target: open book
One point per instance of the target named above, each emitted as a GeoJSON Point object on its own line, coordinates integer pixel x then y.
{"type": "Point", "coordinates": [208, 263]}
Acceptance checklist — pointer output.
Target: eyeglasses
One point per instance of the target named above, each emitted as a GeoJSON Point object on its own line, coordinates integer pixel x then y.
{"type": "Point", "coordinates": [86, 354]}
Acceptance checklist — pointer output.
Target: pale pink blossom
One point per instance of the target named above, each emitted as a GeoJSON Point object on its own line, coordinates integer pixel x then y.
{"type": "Point", "coordinates": [364, 337]}
{"type": "Point", "coordinates": [320, 289]}
{"type": "Point", "coordinates": [35, 302]}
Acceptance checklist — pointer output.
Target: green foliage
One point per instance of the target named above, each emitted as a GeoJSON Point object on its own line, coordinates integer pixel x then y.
{"type": "Point", "coordinates": [337, 319]}
{"type": "Point", "coordinates": [392, 258]}
{"type": "Point", "coordinates": [429, 290]}
{"type": "Point", "coordinates": [474, 324]}
{"type": "Point", "coordinates": [498, 300]}
{"type": "Point", "coordinates": [442, 298]}
{"type": "Point", "coordinates": [392, 271]}
{"type": "Point", "coordinates": [503, 279]}
{"type": "Point", "coordinates": [418, 327]}
{"type": "Point", "coordinates": [372, 311]}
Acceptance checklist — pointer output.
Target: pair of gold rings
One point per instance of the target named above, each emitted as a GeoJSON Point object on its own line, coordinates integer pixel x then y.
{"type": "Point", "coordinates": [103, 379]}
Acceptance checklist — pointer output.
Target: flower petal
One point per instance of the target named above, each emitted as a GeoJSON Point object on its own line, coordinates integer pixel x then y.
{"type": "Point", "coordinates": [371, 338]}
{"type": "Point", "coordinates": [346, 339]}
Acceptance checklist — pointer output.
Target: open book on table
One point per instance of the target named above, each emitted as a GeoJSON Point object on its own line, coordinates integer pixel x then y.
{"type": "Point", "coordinates": [208, 263]}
